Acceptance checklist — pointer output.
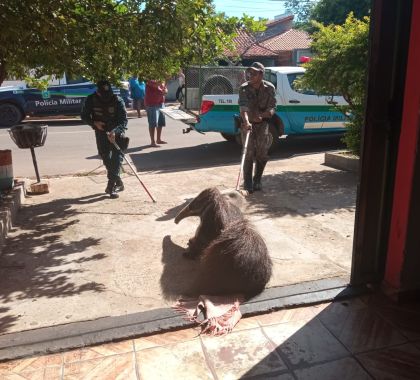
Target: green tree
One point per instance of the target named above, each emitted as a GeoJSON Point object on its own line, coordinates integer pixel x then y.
{"type": "Point", "coordinates": [111, 38]}
{"type": "Point", "coordinates": [326, 11]}
{"type": "Point", "coordinates": [339, 66]}
{"type": "Point", "coordinates": [335, 12]}
{"type": "Point", "coordinates": [301, 9]}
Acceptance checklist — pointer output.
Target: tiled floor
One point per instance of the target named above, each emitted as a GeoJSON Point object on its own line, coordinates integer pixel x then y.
{"type": "Point", "coordinates": [364, 338]}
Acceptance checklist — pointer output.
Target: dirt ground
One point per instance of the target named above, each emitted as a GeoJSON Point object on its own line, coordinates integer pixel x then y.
{"type": "Point", "coordinates": [76, 255]}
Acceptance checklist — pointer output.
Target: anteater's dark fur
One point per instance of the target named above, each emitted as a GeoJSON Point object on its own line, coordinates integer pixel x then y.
{"type": "Point", "coordinates": [234, 257]}
{"type": "Point", "coordinates": [215, 213]}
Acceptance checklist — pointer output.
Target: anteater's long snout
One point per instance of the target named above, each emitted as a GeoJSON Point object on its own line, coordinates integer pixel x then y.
{"type": "Point", "coordinates": [184, 213]}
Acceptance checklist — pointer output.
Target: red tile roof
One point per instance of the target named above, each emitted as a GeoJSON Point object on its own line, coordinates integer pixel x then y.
{"type": "Point", "coordinates": [279, 20]}
{"type": "Point", "coordinates": [257, 50]}
{"type": "Point", "coordinates": [292, 39]}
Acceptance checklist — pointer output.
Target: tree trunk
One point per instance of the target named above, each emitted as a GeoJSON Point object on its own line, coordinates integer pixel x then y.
{"type": "Point", "coordinates": [2, 71]}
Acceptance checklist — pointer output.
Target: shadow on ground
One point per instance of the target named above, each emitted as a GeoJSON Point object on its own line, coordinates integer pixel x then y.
{"type": "Point", "coordinates": [178, 272]}
{"type": "Point", "coordinates": [36, 262]}
{"type": "Point", "coordinates": [225, 153]}
{"type": "Point", "coordinates": [304, 193]}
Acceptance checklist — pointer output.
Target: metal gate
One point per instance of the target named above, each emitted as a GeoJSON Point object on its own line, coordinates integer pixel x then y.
{"type": "Point", "coordinates": [211, 80]}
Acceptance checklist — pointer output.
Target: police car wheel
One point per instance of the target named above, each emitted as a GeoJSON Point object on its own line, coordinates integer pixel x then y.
{"type": "Point", "coordinates": [274, 138]}
{"type": "Point", "coordinates": [230, 138]}
{"type": "Point", "coordinates": [10, 115]}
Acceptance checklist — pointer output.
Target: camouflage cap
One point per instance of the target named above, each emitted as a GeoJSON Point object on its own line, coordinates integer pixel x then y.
{"type": "Point", "coordinates": [257, 66]}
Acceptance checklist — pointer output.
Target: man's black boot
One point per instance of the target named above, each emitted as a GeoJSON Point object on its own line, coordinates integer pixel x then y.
{"type": "Point", "coordinates": [248, 176]}
{"type": "Point", "coordinates": [119, 186]}
{"type": "Point", "coordinates": [259, 170]}
{"type": "Point", "coordinates": [110, 189]}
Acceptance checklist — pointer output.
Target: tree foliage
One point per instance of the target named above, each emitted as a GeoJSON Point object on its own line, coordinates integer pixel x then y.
{"type": "Point", "coordinates": [339, 66]}
{"type": "Point", "coordinates": [326, 11]}
{"type": "Point", "coordinates": [301, 9]}
{"type": "Point", "coordinates": [335, 12]}
{"type": "Point", "coordinates": [111, 38]}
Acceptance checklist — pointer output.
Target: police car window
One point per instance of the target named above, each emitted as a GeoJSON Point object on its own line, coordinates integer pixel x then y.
{"type": "Point", "coordinates": [75, 79]}
{"type": "Point", "coordinates": [292, 78]}
{"type": "Point", "coordinates": [271, 77]}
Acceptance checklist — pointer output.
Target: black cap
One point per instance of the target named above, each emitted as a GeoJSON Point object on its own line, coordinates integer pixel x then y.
{"type": "Point", "coordinates": [257, 66]}
{"type": "Point", "coordinates": [104, 87]}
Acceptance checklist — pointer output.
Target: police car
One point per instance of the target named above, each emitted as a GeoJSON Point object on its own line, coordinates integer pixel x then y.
{"type": "Point", "coordinates": [17, 102]}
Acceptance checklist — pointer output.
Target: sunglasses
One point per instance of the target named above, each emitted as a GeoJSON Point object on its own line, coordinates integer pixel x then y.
{"type": "Point", "coordinates": [253, 73]}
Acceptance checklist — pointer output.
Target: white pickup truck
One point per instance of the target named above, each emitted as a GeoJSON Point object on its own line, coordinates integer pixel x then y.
{"type": "Point", "coordinates": [297, 112]}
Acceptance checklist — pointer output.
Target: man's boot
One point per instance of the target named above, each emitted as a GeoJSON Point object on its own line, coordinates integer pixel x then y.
{"type": "Point", "coordinates": [259, 170]}
{"type": "Point", "coordinates": [119, 186]}
{"type": "Point", "coordinates": [110, 189]}
{"type": "Point", "coordinates": [248, 176]}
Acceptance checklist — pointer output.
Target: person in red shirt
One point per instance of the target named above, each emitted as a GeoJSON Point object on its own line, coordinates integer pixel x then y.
{"type": "Point", "coordinates": [154, 102]}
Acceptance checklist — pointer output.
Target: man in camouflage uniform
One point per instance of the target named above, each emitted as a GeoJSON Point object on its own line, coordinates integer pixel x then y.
{"type": "Point", "coordinates": [106, 114]}
{"type": "Point", "coordinates": [257, 104]}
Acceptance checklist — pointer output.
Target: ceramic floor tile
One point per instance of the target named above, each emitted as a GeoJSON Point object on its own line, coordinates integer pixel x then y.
{"type": "Point", "coordinates": [116, 367]}
{"type": "Point", "coordinates": [184, 360]}
{"type": "Point", "coordinates": [50, 373]}
{"type": "Point", "coordinates": [166, 338]}
{"type": "Point", "coordinates": [32, 364]}
{"type": "Point", "coordinates": [242, 354]}
{"type": "Point", "coordinates": [96, 352]}
{"type": "Point", "coordinates": [247, 323]}
{"type": "Point", "coordinates": [404, 317]}
{"type": "Point", "coordinates": [396, 363]}
{"type": "Point", "coordinates": [274, 376]}
{"type": "Point", "coordinates": [360, 329]}
{"type": "Point", "coordinates": [287, 315]}
{"type": "Point", "coordinates": [343, 369]}
{"type": "Point", "coordinates": [305, 343]}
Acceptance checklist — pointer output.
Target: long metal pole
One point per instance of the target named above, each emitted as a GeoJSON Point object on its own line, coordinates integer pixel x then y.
{"type": "Point", "coordinates": [134, 171]}
{"type": "Point", "coordinates": [244, 149]}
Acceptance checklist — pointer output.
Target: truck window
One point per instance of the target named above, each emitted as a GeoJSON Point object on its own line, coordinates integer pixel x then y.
{"type": "Point", "coordinates": [292, 78]}
{"type": "Point", "coordinates": [271, 77]}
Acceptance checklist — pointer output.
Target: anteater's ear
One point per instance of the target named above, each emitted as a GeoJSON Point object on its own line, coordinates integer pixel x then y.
{"type": "Point", "coordinates": [234, 197]}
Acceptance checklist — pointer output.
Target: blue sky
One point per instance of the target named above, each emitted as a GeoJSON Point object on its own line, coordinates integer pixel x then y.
{"type": "Point", "coordinates": [257, 8]}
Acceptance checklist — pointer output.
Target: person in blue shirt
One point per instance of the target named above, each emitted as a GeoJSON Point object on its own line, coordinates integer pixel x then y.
{"type": "Point", "coordinates": [137, 92]}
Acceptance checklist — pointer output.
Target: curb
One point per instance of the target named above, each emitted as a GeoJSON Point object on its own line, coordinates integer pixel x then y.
{"type": "Point", "coordinates": [110, 329]}
{"type": "Point", "coordinates": [9, 206]}
{"type": "Point", "coordinates": [342, 161]}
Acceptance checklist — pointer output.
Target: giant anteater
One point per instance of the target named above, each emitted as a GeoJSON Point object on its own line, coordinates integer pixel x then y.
{"type": "Point", "coordinates": [233, 256]}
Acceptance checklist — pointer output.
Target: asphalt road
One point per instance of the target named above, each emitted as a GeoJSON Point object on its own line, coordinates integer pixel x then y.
{"type": "Point", "coordinates": [70, 148]}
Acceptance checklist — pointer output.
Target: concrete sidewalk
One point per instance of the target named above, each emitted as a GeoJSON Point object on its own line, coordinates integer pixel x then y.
{"type": "Point", "coordinates": [76, 255]}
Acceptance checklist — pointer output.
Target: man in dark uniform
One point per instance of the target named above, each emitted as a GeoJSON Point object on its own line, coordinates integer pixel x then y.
{"type": "Point", "coordinates": [257, 104]}
{"type": "Point", "coordinates": [105, 113]}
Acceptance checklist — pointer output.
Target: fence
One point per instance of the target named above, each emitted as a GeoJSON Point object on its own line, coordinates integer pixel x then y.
{"type": "Point", "coordinates": [214, 80]}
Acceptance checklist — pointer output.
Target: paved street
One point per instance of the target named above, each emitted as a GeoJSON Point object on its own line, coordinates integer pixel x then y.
{"type": "Point", "coordinates": [70, 148]}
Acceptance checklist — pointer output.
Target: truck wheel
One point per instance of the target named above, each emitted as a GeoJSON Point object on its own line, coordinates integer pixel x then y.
{"type": "Point", "coordinates": [217, 85]}
{"type": "Point", "coordinates": [230, 138]}
{"type": "Point", "coordinates": [10, 115]}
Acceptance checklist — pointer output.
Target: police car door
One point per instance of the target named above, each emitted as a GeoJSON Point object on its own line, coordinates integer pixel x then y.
{"type": "Point", "coordinates": [308, 112]}
{"type": "Point", "coordinates": [44, 103]}
{"type": "Point", "coordinates": [75, 95]}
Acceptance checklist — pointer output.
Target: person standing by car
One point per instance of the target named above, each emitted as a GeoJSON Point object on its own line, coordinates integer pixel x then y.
{"type": "Point", "coordinates": [154, 102]}
{"type": "Point", "coordinates": [181, 85]}
{"type": "Point", "coordinates": [105, 113]}
{"type": "Point", "coordinates": [137, 92]}
{"type": "Point", "coordinates": [257, 104]}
